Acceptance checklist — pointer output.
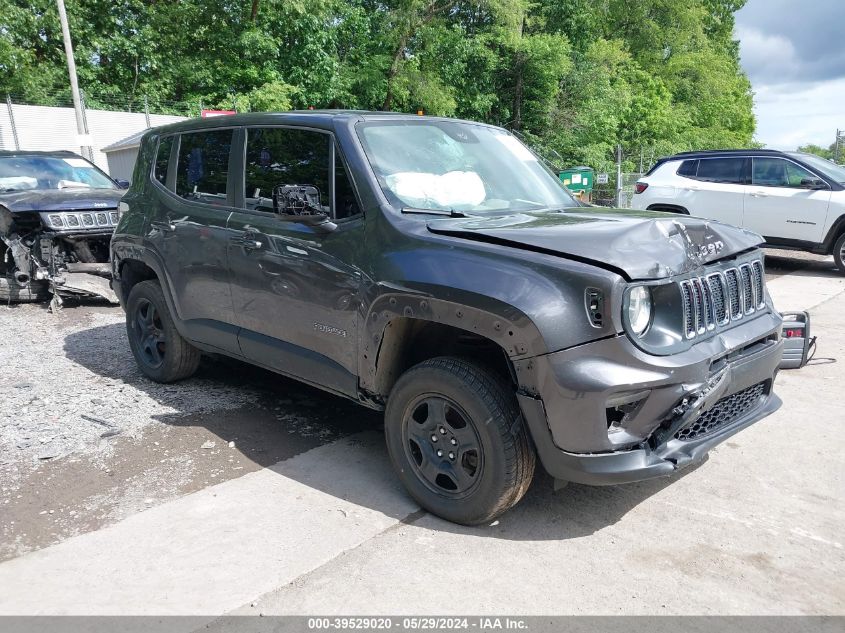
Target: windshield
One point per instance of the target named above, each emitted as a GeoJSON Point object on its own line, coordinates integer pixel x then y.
{"type": "Point", "coordinates": [831, 170]}
{"type": "Point", "coordinates": [454, 166]}
{"type": "Point", "coordinates": [24, 173]}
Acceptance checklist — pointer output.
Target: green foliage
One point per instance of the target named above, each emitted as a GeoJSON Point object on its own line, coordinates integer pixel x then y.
{"type": "Point", "coordinates": [575, 78]}
{"type": "Point", "coordinates": [824, 152]}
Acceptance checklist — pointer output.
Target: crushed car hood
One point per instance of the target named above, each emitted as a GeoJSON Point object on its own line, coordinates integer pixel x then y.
{"type": "Point", "coordinates": [60, 199]}
{"type": "Point", "coordinates": [636, 244]}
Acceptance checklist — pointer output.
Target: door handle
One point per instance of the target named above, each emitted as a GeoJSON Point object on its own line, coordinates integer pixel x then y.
{"type": "Point", "coordinates": [167, 227]}
{"type": "Point", "coordinates": [247, 241]}
{"type": "Point", "coordinates": [759, 194]}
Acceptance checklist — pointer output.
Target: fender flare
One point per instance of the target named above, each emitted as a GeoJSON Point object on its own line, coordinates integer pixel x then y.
{"type": "Point", "coordinates": [132, 251]}
{"type": "Point", "coordinates": [506, 326]}
{"type": "Point", "coordinates": [836, 229]}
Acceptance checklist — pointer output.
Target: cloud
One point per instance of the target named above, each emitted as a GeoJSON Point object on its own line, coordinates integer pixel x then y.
{"type": "Point", "coordinates": [789, 115]}
{"type": "Point", "coordinates": [794, 55]}
{"type": "Point", "coordinates": [782, 41]}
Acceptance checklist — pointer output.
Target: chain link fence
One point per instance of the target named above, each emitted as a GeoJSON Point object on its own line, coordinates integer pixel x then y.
{"type": "Point", "coordinates": [605, 194]}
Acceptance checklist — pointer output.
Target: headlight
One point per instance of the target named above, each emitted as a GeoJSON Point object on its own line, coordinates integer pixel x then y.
{"type": "Point", "coordinates": [639, 309]}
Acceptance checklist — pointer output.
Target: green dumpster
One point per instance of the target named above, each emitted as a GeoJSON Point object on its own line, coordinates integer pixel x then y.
{"type": "Point", "coordinates": [579, 180]}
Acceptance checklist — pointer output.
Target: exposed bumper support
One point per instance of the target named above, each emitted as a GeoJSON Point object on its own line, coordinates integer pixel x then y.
{"type": "Point", "coordinates": [622, 467]}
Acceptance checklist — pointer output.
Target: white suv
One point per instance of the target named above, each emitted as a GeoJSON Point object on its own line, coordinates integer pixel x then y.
{"type": "Point", "coordinates": [794, 200]}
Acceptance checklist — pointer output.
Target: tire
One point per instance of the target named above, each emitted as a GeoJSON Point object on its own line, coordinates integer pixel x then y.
{"type": "Point", "coordinates": [12, 292]}
{"type": "Point", "coordinates": [468, 409]}
{"type": "Point", "coordinates": [839, 253]}
{"type": "Point", "coordinates": [160, 351]}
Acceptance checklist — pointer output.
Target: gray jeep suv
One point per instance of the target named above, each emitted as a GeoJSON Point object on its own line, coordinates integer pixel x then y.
{"type": "Point", "coordinates": [435, 269]}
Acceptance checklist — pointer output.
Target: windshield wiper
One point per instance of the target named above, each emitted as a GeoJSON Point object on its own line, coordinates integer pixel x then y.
{"type": "Point", "coordinates": [449, 214]}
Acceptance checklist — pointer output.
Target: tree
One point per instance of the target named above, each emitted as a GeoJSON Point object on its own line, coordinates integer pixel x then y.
{"type": "Point", "coordinates": [576, 77]}
{"type": "Point", "coordinates": [824, 152]}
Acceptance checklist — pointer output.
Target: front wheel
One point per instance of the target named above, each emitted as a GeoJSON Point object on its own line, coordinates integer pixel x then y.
{"type": "Point", "coordinates": [457, 440]}
{"type": "Point", "coordinates": [839, 253]}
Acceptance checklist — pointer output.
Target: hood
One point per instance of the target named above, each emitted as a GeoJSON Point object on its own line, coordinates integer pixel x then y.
{"type": "Point", "coordinates": [60, 199]}
{"type": "Point", "coordinates": [635, 244]}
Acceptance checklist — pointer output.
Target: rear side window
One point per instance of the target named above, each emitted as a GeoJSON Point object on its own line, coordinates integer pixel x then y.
{"type": "Point", "coordinates": [203, 166]}
{"type": "Point", "coordinates": [725, 170]}
{"type": "Point", "coordinates": [165, 146]}
{"type": "Point", "coordinates": [688, 168]}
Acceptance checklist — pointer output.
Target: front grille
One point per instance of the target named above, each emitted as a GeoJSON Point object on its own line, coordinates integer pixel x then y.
{"type": "Point", "coordinates": [718, 298]}
{"type": "Point", "coordinates": [718, 292]}
{"type": "Point", "coordinates": [759, 283]}
{"type": "Point", "coordinates": [83, 219]}
{"type": "Point", "coordinates": [734, 293]}
{"type": "Point", "coordinates": [748, 302]}
{"type": "Point", "coordinates": [723, 413]}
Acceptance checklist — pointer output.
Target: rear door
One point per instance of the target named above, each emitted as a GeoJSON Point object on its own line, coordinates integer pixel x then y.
{"type": "Point", "coordinates": [778, 207]}
{"type": "Point", "coordinates": [295, 289]}
{"type": "Point", "coordinates": [716, 189]}
{"type": "Point", "coordinates": [187, 229]}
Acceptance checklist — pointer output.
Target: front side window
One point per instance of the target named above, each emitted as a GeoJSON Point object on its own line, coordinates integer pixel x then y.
{"type": "Point", "coordinates": [203, 166]}
{"type": "Point", "coordinates": [795, 175]}
{"type": "Point", "coordinates": [776, 172]}
{"type": "Point", "coordinates": [451, 165]}
{"type": "Point", "coordinates": [346, 204]}
{"type": "Point", "coordinates": [165, 146]}
{"type": "Point", "coordinates": [285, 156]}
{"type": "Point", "coordinates": [723, 170]}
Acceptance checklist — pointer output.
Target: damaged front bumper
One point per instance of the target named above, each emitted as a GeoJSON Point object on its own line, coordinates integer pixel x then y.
{"type": "Point", "coordinates": [47, 258]}
{"type": "Point", "coordinates": [608, 413]}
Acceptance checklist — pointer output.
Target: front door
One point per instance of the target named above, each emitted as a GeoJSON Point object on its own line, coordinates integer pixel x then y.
{"type": "Point", "coordinates": [188, 230]}
{"type": "Point", "coordinates": [778, 207]}
{"type": "Point", "coordinates": [295, 288]}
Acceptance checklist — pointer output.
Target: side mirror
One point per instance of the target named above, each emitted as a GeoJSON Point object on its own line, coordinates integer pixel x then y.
{"type": "Point", "coordinates": [301, 204]}
{"type": "Point", "coordinates": [813, 183]}
{"type": "Point", "coordinates": [123, 184]}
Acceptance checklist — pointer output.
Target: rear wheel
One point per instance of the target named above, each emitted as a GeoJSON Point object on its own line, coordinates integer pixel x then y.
{"type": "Point", "coordinates": [839, 253]}
{"type": "Point", "coordinates": [456, 438]}
{"type": "Point", "coordinates": [160, 351]}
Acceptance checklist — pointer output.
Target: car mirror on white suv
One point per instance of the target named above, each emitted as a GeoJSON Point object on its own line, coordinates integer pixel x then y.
{"type": "Point", "coordinates": [813, 183]}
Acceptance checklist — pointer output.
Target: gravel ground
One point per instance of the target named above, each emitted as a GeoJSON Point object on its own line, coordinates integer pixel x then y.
{"type": "Point", "coordinates": [70, 384]}
{"type": "Point", "coordinates": [86, 440]}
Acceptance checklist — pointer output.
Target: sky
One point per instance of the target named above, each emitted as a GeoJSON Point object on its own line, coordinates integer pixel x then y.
{"type": "Point", "coordinates": [794, 54]}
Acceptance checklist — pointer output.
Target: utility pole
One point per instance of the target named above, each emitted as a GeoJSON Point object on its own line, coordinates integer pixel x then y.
{"type": "Point", "coordinates": [12, 121]}
{"type": "Point", "coordinates": [618, 176]}
{"type": "Point", "coordinates": [84, 138]}
{"type": "Point", "coordinates": [840, 140]}
{"type": "Point", "coordinates": [147, 111]}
